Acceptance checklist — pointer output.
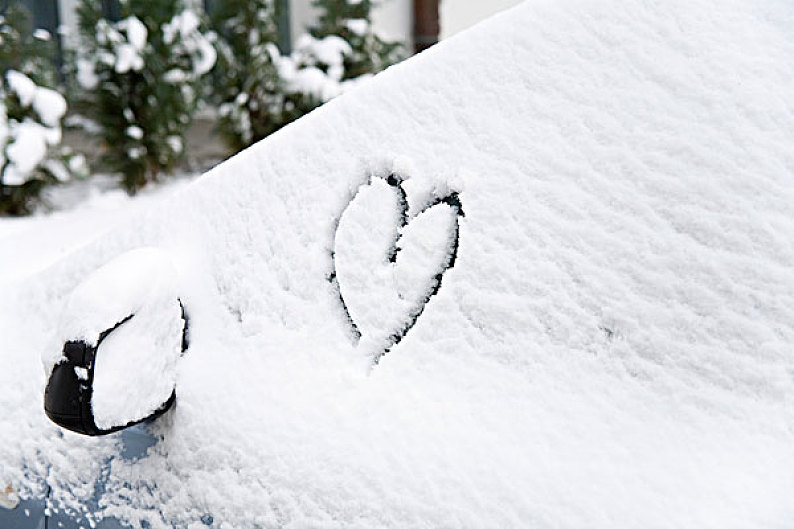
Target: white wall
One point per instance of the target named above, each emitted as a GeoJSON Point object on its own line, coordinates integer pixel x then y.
{"type": "Point", "coordinates": [68, 22]}
{"type": "Point", "coordinates": [394, 20]}
{"type": "Point", "coordinates": [301, 16]}
{"type": "Point", "coordinates": [457, 15]}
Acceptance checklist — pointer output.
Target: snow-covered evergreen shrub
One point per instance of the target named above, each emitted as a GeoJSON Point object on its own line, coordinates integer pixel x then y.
{"type": "Point", "coordinates": [248, 85]}
{"type": "Point", "coordinates": [262, 90]}
{"type": "Point", "coordinates": [142, 75]}
{"type": "Point", "coordinates": [31, 110]}
{"type": "Point", "coordinates": [314, 72]}
{"type": "Point", "coordinates": [351, 21]}
{"type": "Point", "coordinates": [340, 51]}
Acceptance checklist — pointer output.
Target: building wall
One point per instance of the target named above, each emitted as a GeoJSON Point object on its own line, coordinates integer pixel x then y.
{"type": "Point", "coordinates": [301, 16]}
{"type": "Point", "coordinates": [457, 15]}
{"type": "Point", "coordinates": [393, 19]}
{"type": "Point", "coordinates": [69, 31]}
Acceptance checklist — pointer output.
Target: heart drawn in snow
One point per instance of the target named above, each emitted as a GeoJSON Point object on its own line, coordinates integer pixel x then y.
{"type": "Point", "coordinates": [387, 264]}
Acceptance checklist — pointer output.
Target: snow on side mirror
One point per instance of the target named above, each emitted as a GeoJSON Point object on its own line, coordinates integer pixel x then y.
{"type": "Point", "coordinates": [123, 330]}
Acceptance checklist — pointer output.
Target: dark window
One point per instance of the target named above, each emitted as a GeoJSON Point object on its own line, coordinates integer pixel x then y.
{"type": "Point", "coordinates": [45, 15]}
{"type": "Point", "coordinates": [282, 22]}
{"type": "Point", "coordinates": [111, 10]}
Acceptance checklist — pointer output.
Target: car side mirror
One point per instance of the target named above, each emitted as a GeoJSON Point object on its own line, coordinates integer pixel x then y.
{"type": "Point", "coordinates": [123, 330]}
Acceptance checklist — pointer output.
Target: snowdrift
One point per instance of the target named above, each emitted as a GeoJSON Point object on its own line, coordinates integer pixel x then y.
{"type": "Point", "coordinates": [541, 275]}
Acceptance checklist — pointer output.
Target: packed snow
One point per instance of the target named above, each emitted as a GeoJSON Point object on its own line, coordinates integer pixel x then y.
{"type": "Point", "coordinates": [316, 67]}
{"type": "Point", "coordinates": [128, 40]}
{"type": "Point", "coordinates": [134, 132]}
{"type": "Point", "coordinates": [358, 26]}
{"type": "Point", "coordinates": [26, 152]}
{"type": "Point", "coordinates": [191, 41]}
{"type": "Point", "coordinates": [136, 32]}
{"type": "Point", "coordinates": [86, 76]}
{"type": "Point", "coordinates": [49, 105]}
{"type": "Point", "coordinates": [25, 144]}
{"type": "Point", "coordinates": [21, 85]}
{"type": "Point", "coordinates": [611, 346]}
{"type": "Point", "coordinates": [41, 34]}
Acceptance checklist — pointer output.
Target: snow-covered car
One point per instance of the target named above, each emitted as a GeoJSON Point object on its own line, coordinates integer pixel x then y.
{"type": "Point", "coordinates": [540, 275]}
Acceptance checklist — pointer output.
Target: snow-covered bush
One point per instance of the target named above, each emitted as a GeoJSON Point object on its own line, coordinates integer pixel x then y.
{"type": "Point", "coordinates": [248, 86]}
{"type": "Point", "coordinates": [351, 21]}
{"type": "Point", "coordinates": [31, 110]}
{"type": "Point", "coordinates": [338, 53]}
{"type": "Point", "coordinates": [261, 89]}
{"type": "Point", "coordinates": [315, 70]}
{"type": "Point", "coordinates": [142, 75]}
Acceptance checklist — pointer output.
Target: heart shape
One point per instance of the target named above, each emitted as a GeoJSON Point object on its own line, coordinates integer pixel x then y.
{"type": "Point", "coordinates": [387, 263]}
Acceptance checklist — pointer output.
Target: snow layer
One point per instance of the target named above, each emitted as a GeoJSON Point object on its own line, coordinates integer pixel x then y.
{"type": "Point", "coordinates": [30, 140]}
{"type": "Point", "coordinates": [86, 76]}
{"type": "Point", "coordinates": [186, 25]}
{"type": "Point", "coordinates": [136, 32]}
{"type": "Point", "coordinates": [21, 85]}
{"type": "Point", "coordinates": [49, 105]}
{"type": "Point", "coordinates": [115, 291]}
{"type": "Point", "coordinates": [129, 54]}
{"type": "Point", "coordinates": [316, 67]}
{"type": "Point", "coordinates": [135, 294]}
{"type": "Point", "coordinates": [26, 151]}
{"type": "Point", "coordinates": [612, 347]}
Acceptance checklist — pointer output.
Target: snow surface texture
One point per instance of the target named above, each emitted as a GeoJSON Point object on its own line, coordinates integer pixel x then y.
{"type": "Point", "coordinates": [384, 296]}
{"type": "Point", "coordinates": [612, 347]}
